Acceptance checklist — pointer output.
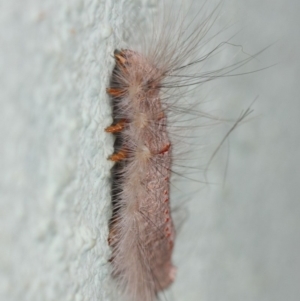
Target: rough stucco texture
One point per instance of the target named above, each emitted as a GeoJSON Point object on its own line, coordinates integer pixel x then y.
{"type": "Point", "coordinates": [239, 242]}
{"type": "Point", "coordinates": [55, 191]}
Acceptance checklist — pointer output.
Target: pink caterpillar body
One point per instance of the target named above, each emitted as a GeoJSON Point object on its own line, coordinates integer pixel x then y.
{"type": "Point", "coordinates": [141, 230]}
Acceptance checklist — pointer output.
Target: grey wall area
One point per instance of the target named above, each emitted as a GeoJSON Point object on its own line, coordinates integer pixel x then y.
{"type": "Point", "coordinates": [238, 236]}
{"type": "Point", "coordinates": [246, 231]}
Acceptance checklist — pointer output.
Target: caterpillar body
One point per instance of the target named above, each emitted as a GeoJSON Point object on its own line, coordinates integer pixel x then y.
{"type": "Point", "coordinates": [141, 229]}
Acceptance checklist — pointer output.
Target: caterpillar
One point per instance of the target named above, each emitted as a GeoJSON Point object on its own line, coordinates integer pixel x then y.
{"type": "Point", "coordinates": [145, 85]}
{"type": "Point", "coordinates": [141, 230]}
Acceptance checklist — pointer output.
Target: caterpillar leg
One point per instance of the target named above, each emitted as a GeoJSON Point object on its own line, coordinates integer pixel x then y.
{"type": "Point", "coordinates": [115, 92]}
{"type": "Point", "coordinates": [119, 156]}
{"type": "Point", "coordinates": [116, 128]}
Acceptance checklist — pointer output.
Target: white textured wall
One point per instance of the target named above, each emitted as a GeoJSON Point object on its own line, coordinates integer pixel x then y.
{"type": "Point", "coordinates": [55, 192]}
{"type": "Point", "coordinates": [240, 242]}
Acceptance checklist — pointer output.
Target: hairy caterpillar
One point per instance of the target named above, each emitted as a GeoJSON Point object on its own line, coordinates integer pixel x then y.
{"type": "Point", "coordinates": [141, 230]}
{"type": "Point", "coordinates": [145, 86]}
